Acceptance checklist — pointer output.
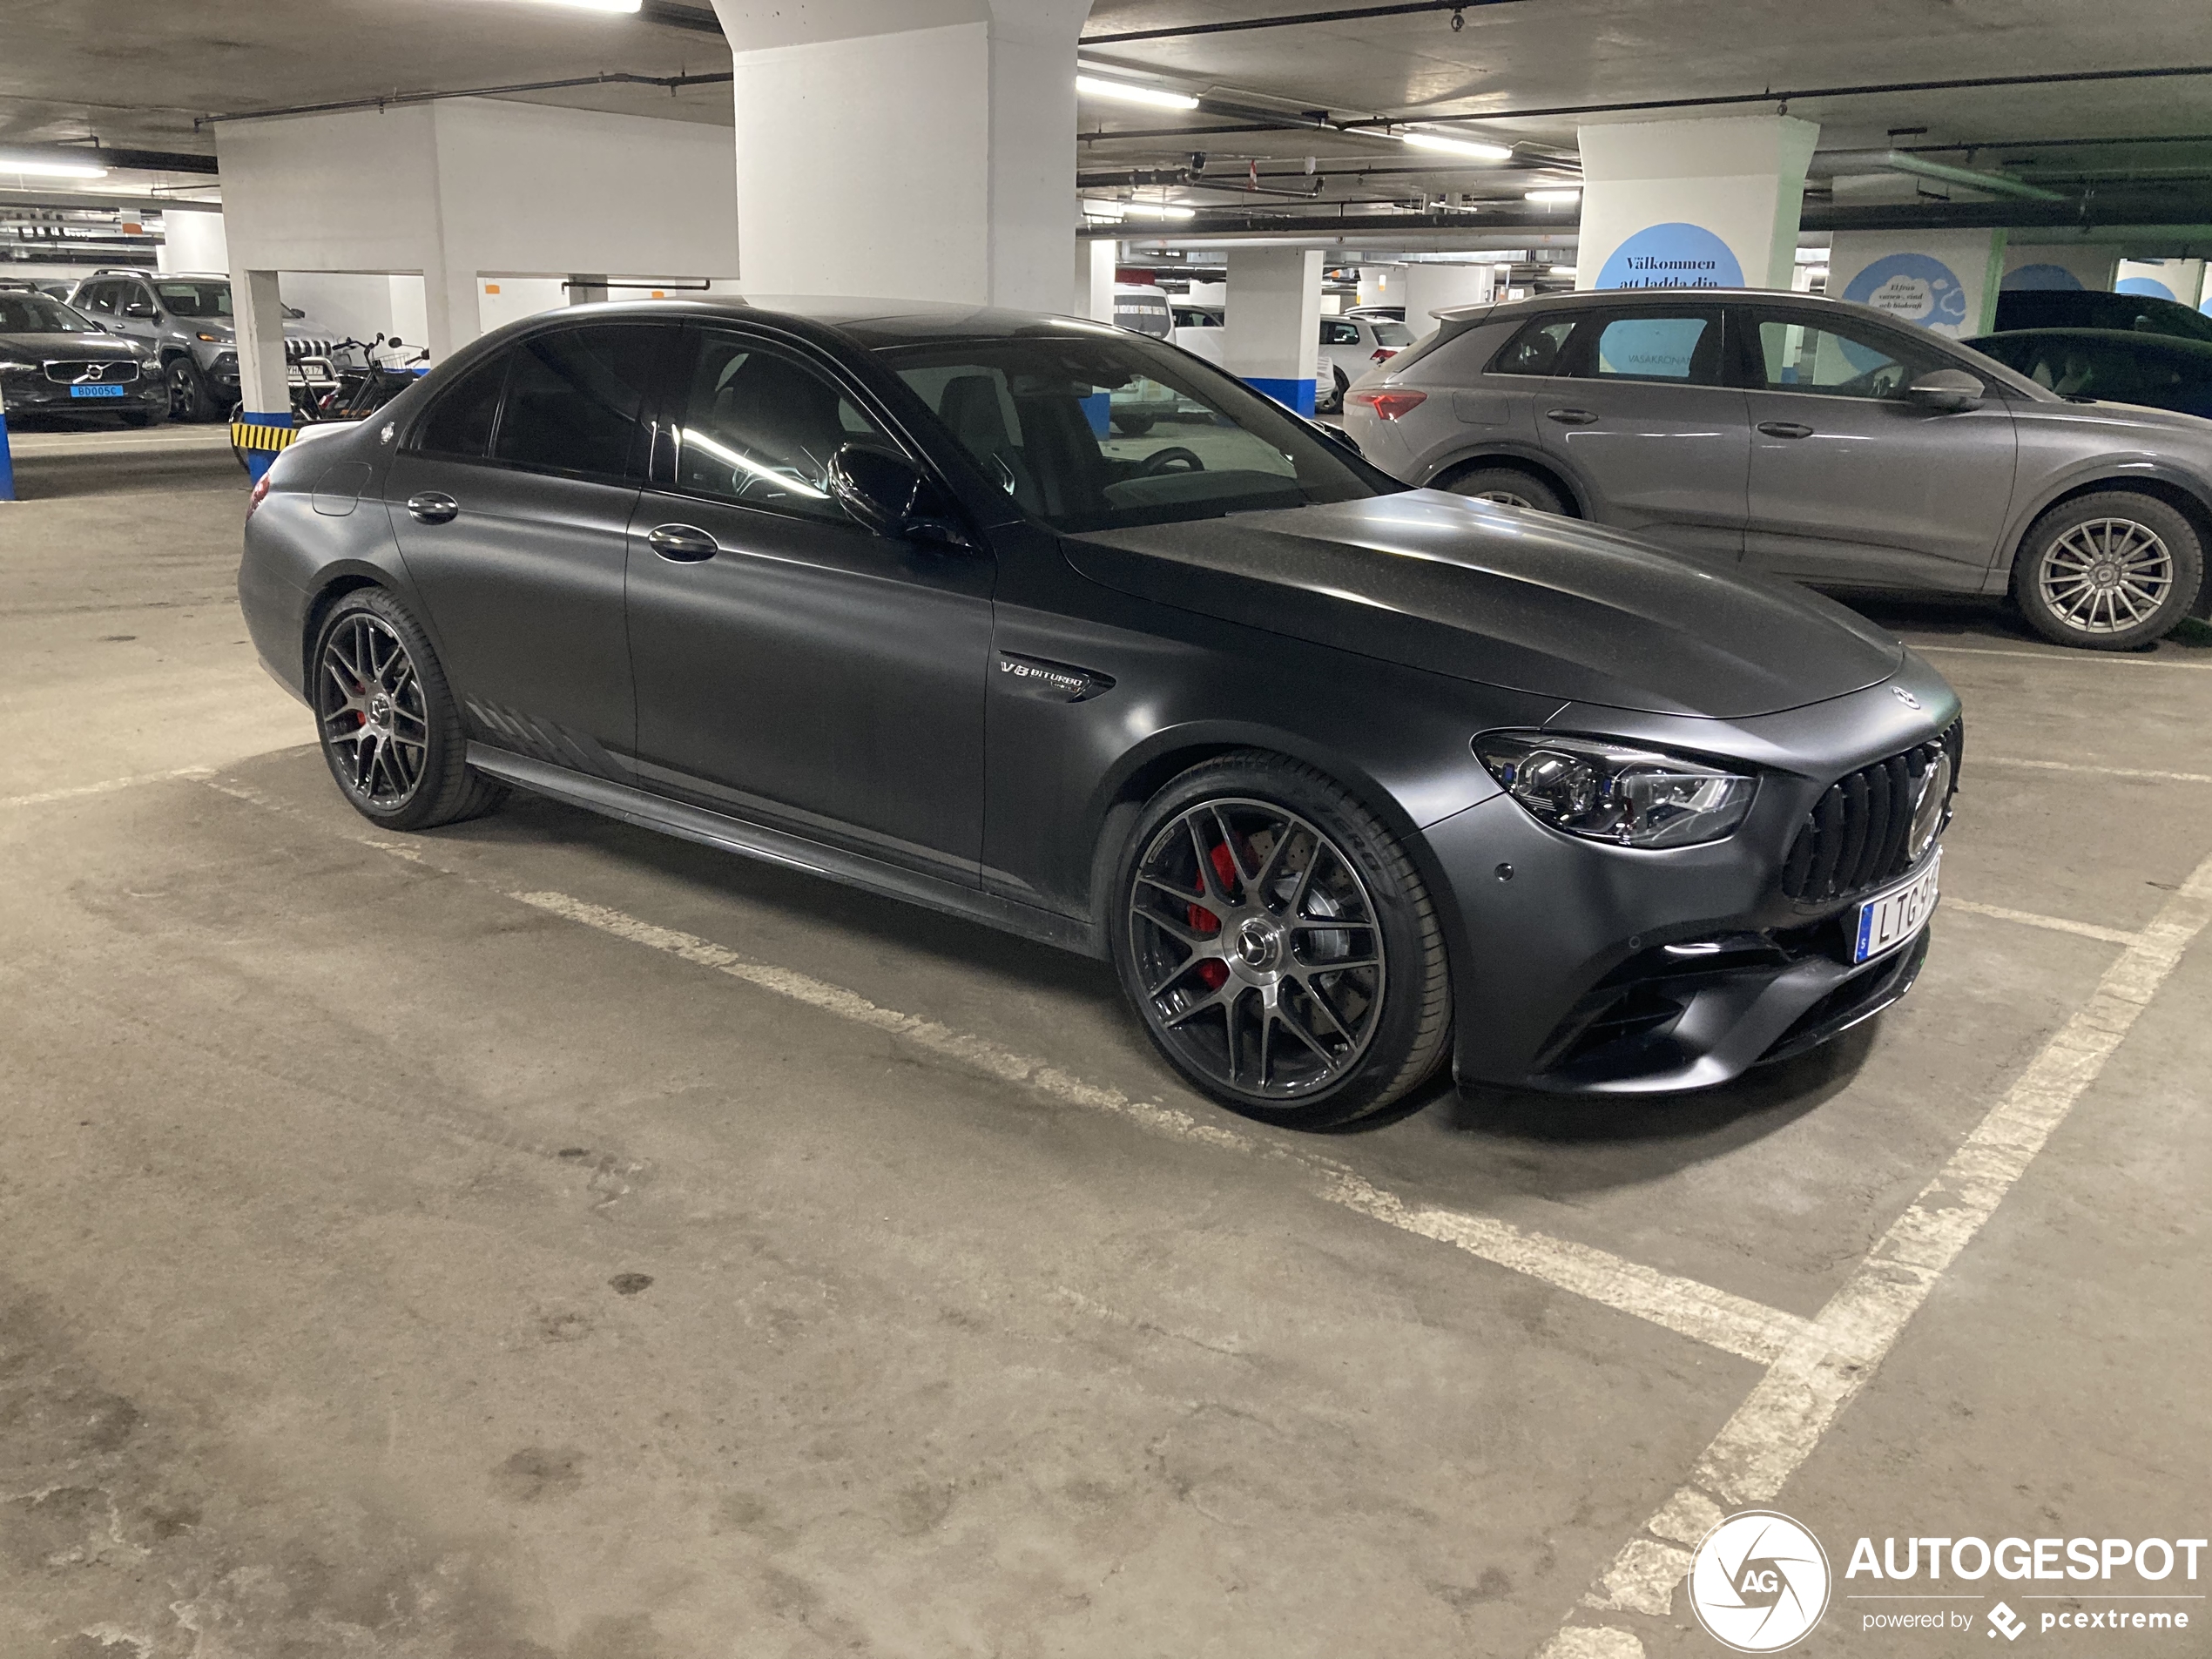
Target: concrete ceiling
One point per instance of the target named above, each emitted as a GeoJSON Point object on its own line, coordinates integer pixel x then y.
{"type": "Point", "coordinates": [136, 73]}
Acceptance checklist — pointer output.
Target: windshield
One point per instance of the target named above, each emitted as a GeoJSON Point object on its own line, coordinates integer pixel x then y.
{"type": "Point", "coordinates": [34, 314]}
{"type": "Point", "coordinates": [1392, 333]}
{"type": "Point", "coordinates": [1105, 432]}
{"type": "Point", "coordinates": [195, 299]}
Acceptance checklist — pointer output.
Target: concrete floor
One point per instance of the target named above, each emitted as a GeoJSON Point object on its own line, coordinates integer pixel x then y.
{"type": "Point", "coordinates": [540, 1238]}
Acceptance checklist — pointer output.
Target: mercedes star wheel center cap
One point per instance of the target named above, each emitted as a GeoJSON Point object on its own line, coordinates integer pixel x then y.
{"type": "Point", "coordinates": [1259, 945]}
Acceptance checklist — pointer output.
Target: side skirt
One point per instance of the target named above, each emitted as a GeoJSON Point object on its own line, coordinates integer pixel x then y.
{"type": "Point", "coordinates": [776, 846]}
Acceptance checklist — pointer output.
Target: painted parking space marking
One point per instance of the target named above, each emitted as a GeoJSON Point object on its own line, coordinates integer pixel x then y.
{"type": "Point", "coordinates": [107, 787]}
{"type": "Point", "coordinates": [1776, 1429]}
{"type": "Point", "coordinates": [2055, 924]}
{"type": "Point", "coordinates": [2069, 659]}
{"type": "Point", "coordinates": [2100, 771]}
{"type": "Point", "coordinates": [1687, 1307]}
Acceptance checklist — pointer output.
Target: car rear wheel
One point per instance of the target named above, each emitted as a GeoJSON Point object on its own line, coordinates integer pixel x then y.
{"type": "Point", "coordinates": [1332, 401]}
{"type": "Point", "coordinates": [188, 399]}
{"type": "Point", "coordinates": [391, 733]}
{"type": "Point", "coordinates": [2109, 572]}
{"type": "Point", "coordinates": [1508, 487]}
{"type": "Point", "coordinates": [1279, 946]}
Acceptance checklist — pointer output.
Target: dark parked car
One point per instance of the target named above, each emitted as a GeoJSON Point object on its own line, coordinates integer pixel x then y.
{"type": "Point", "coordinates": [54, 361]}
{"type": "Point", "coordinates": [1812, 439]}
{"type": "Point", "coordinates": [2141, 314]}
{"type": "Point", "coordinates": [2103, 364]}
{"type": "Point", "coordinates": [1344, 778]}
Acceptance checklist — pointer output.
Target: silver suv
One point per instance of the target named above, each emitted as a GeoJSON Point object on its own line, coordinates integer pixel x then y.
{"type": "Point", "coordinates": [183, 317]}
{"type": "Point", "coordinates": [1812, 439]}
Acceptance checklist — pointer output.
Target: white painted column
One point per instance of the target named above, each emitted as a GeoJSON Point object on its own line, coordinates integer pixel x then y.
{"type": "Point", "coordinates": [1380, 286]}
{"type": "Point", "coordinates": [192, 241]}
{"type": "Point", "coordinates": [1096, 260]}
{"type": "Point", "coordinates": [2069, 264]}
{"type": "Point", "coordinates": [257, 311]}
{"type": "Point", "coordinates": [912, 149]}
{"type": "Point", "coordinates": [1429, 288]}
{"type": "Point", "coordinates": [1272, 335]}
{"type": "Point", "coordinates": [1709, 204]}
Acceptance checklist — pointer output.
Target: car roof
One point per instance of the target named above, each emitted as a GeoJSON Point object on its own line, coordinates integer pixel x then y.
{"type": "Point", "coordinates": [1587, 299]}
{"type": "Point", "coordinates": [2188, 344]}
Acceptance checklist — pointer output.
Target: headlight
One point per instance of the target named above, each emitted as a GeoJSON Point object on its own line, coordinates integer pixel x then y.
{"type": "Point", "coordinates": [12, 366]}
{"type": "Point", "coordinates": [1609, 792]}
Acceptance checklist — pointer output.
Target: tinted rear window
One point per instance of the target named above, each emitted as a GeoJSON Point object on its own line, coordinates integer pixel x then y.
{"type": "Point", "coordinates": [459, 423]}
{"type": "Point", "coordinates": [575, 397]}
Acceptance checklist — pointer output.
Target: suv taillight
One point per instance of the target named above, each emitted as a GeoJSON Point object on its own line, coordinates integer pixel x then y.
{"type": "Point", "coordinates": [260, 489]}
{"type": "Point", "coordinates": [1388, 406]}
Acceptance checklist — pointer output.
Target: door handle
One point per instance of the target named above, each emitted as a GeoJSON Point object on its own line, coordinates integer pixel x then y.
{"type": "Point", "coordinates": [1572, 417]}
{"type": "Point", "coordinates": [1784, 430]}
{"type": "Point", "coordinates": [433, 506]}
{"type": "Point", "coordinates": [681, 544]}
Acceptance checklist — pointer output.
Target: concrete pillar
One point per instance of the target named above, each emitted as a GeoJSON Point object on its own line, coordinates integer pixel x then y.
{"type": "Point", "coordinates": [914, 151]}
{"type": "Point", "coordinates": [1272, 335]}
{"type": "Point", "coordinates": [2073, 265]}
{"type": "Point", "coordinates": [1429, 288]}
{"type": "Point", "coordinates": [1380, 286]}
{"type": "Point", "coordinates": [2181, 280]}
{"type": "Point", "coordinates": [264, 426]}
{"type": "Point", "coordinates": [1096, 259]}
{"type": "Point", "coordinates": [1944, 281]}
{"type": "Point", "coordinates": [1705, 204]}
{"type": "Point", "coordinates": [192, 241]}
{"type": "Point", "coordinates": [587, 290]}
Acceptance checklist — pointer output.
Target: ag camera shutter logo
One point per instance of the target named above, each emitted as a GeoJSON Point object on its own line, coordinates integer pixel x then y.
{"type": "Point", "coordinates": [1759, 1581]}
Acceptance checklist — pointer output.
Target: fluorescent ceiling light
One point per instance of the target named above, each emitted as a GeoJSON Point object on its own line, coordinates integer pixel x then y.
{"type": "Point", "coordinates": [1549, 197]}
{"type": "Point", "coordinates": [1160, 210]}
{"type": "Point", "coordinates": [1092, 86]}
{"type": "Point", "coordinates": [778, 476]}
{"type": "Point", "coordinates": [1564, 270]}
{"type": "Point", "coordinates": [1470, 147]}
{"type": "Point", "coordinates": [51, 169]}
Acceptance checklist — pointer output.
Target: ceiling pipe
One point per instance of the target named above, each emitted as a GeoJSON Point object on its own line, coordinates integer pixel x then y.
{"type": "Point", "coordinates": [395, 100]}
{"type": "Point", "coordinates": [1292, 20]}
{"type": "Point", "coordinates": [1833, 162]}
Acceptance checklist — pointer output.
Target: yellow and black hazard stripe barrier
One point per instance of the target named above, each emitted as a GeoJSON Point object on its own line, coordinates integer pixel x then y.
{"type": "Point", "coordinates": [254, 434]}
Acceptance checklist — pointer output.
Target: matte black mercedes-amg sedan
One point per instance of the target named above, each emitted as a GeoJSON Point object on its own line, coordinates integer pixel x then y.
{"type": "Point", "coordinates": [1343, 777]}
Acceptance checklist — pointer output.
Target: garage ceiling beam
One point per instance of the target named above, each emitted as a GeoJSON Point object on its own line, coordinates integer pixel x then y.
{"type": "Point", "coordinates": [394, 100]}
{"type": "Point", "coordinates": [1829, 163]}
{"type": "Point", "coordinates": [1290, 20]}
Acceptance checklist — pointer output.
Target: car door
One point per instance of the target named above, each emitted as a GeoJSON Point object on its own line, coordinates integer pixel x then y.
{"type": "Point", "coordinates": [793, 667]}
{"type": "Point", "coordinates": [512, 502]}
{"type": "Point", "coordinates": [1852, 482]}
{"type": "Point", "coordinates": [1638, 411]}
{"type": "Point", "coordinates": [136, 315]}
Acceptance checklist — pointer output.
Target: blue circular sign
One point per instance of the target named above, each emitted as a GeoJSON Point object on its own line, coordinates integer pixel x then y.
{"type": "Point", "coordinates": [1913, 287]}
{"type": "Point", "coordinates": [2150, 287]}
{"type": "Point", "coordinates": [2043, 277]}
{"type": "Point", "coordinates": [1672, 256]}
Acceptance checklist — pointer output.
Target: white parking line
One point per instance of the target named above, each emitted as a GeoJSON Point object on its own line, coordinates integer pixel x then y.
{"type": "Point", "coordinates": [2073, 658]}
{"type": "Point", "coordinates": [106, 788]}
{"type": "Point", "coordinates": [2056, 924]}
{"type": "Point", "coordinates": [1776, 1428]}
{"type": "Point", "coordinates": [2100, 771]}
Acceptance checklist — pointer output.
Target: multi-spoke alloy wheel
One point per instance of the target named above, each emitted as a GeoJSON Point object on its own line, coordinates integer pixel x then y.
{"type": "Point", "coordinates": [1279, 946]}
{"type": "Point", "coordinates": [2110, 570]}
{"type": "Point", "coordinates": [373, 719]}
{"type": "Point", "coordinates": [2107, 576]}
{"type": "Point", "coordinates": [389, 725]}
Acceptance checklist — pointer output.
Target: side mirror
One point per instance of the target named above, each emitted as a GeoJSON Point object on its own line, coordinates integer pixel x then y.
{"type": "Point", "coordinates": [888, 495]}
{"type": "Point", "coordinates": [137, 308]}
{"type": "Point", "coordinates": [1947, 390]}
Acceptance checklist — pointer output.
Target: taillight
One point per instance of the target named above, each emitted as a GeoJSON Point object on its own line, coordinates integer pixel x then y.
{"type": "Point", "coordinates": [1383, 354]}
{"type": "Point", "coordinates": [260, 489]}
{"type": "Point", "coordinates": [1388, 406]}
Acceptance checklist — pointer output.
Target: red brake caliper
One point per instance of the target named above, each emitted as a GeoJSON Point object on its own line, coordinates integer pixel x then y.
{"type": "Point", "coordinates": [1214, 974]}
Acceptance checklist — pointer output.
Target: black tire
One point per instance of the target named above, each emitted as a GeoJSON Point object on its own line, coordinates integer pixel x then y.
{"type": "Point", "coordinates": [1132, 426]}
{"type": "Point", "coordinates": [1333, 403]}
{"type": "Point", "coordinates": [238, 450]}
{"type": "Point", "coordinates": [372, 673]}
{"type": "Point", "coordinates": [1508, 487]}
{"type": "Point", "coordinates": [188, 396]}
{"type": "Point", "coordinates": [2109, 572]}
{"type": "Point", "coordinates": [1291, 856]}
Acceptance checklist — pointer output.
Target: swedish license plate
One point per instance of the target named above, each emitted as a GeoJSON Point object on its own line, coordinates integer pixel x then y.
{"type": "Point", "coordinates": [1889, 919]}
{"type": "Point", "coordinates": [96, 391]}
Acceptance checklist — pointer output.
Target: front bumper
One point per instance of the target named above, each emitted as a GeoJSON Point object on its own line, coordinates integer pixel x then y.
{"type": "Point", "coordinates": [35, 393]}
{"type": "Point", "coordinates": [1579, 968]}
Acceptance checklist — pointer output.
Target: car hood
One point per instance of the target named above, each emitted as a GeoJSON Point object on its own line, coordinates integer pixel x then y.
{"type": "Point", "coordinates": [1520, 600]}
{"type": "Point", "coordinates": [45, 345]}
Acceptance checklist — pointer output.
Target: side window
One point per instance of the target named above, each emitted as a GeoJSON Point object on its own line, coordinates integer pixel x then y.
{"type": "Point", "coordinates": [1339, 333]}
{"type": "Point", "coordinates": [1536, 348]}
{"type": "Point", "coordinates": [1684, 348]}
{"type": "Point", "coordinates": [100, 297]}
{"type": "Point", "coordinates": [1845, 361]}
{"type": "Point", "coordinates": [136, 302]}
{"type": "Point", "coordinates": [459, 423]}
{"type": "Point", "coordinates": [758, 426]}
{"type": "Point", "coordinates": [575, 399]}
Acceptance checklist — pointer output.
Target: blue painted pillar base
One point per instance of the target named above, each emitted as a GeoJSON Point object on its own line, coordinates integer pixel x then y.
{"type": "Point", "coordinates": [1293, 394]}
{"type": "Point", "coordinates": [7, 462]}
{"type": "Point", "coordinates": [263, 437]}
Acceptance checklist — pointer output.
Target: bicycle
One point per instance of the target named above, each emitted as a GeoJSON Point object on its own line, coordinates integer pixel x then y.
{"type": "Point", "coordinates": [323, 390]}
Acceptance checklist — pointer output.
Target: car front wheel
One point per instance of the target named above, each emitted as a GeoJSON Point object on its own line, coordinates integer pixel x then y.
{"type": "Point", "coordinates": [1508, 487]}
{"type": "Point", "coordinates": [1280, 945]}
{"type": "Point", "coordinates": [188, 399]}
{"type": "Point", "coordinates": [391, 731]}
{"type": "Point", "coordinates": [2108, 570]}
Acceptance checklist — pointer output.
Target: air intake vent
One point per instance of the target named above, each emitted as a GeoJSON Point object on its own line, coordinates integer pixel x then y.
{"type": "Point", "coordinates": [1856, 838]}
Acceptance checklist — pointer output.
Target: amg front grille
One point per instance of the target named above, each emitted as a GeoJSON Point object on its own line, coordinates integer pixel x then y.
{"type": "Point", "coordinates": [1855, 837]}
{"type": "Point", "coordinates": [107, 371]}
